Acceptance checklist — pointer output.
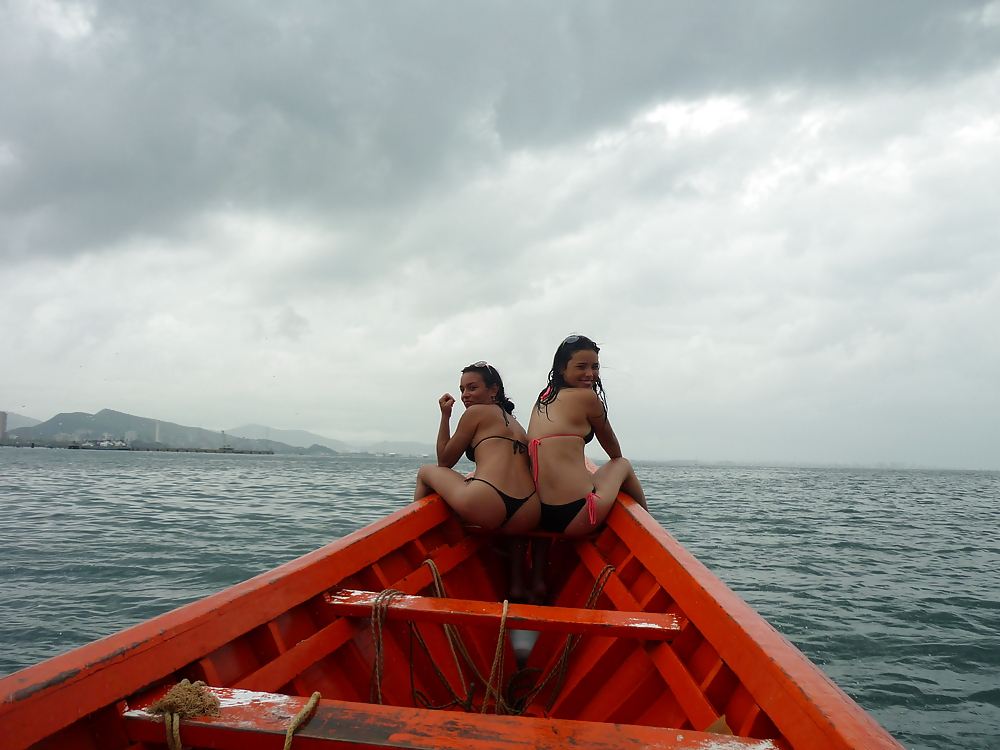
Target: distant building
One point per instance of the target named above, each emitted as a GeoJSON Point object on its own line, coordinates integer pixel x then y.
{"type": "Point", "coordinates": [3, 424]}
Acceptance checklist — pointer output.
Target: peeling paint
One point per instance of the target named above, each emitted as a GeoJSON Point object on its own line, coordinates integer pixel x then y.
{"type": "Point", "coordinates": [27, 692]}
{"type": "Point", "coordinates": [233, 698]}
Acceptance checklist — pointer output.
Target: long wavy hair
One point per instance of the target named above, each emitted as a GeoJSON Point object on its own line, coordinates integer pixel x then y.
{"type": "Point", "coordinates": [492, 378]}
{"type": "Point", "coordinates": [570, 346]}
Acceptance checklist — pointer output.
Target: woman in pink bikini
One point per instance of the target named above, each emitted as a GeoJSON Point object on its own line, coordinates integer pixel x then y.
{"type": "Point", "coordinates": [502, 494]}
{"type": "Point", "coordinates": [568, 414]}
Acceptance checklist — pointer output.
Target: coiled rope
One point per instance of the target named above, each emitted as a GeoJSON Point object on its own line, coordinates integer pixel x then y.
{"type": "Point", "coordinates": [184, 700]}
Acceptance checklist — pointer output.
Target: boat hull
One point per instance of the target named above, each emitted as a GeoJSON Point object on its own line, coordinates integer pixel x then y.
{"type": "Point", "coordinates": [704, 653]}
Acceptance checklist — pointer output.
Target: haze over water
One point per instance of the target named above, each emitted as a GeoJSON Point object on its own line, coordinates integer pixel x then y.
{"type": "Point", "coordinates": [888, 580]}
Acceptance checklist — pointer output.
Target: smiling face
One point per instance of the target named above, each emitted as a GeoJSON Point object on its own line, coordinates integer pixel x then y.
{"type": "Point", "coordinates": [583, 369]}
{"type": "Point", "coordinates": [474, 390]}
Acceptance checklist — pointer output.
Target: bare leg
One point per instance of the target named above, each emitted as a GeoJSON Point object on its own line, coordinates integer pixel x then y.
{"type": "Point", "coordinates": [618, 475]}
{"type": "Point", "coordinates": [477, 503]}
{"type": "Point", "coordinates": [518, 548]}
{"type": "Point", "coordinates": [633, 489]}
{"type": "Point", "coordinates": [423, 489]}
{"type": "Point", "coordinates": [539, 567]}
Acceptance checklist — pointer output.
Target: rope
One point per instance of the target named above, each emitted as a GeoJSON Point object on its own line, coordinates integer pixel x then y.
{"type": "Point", "coordinates": [299, 719]}
{"type": "Point", "coordinates": [173, 731]}
{"type": "Point", "coordinates": [417, 695]}
{"type": "Point", "coordinates": [455, 641]}
{"type": "Point", "coordinates": [560, 668]}
{"type": "Point", "coordinates": [184, 700]}
{"type": "Point", "coordinates": [502, 703]}
{"type": "Point", "coordinates": [497, 669]}
{"type": "Point", "coordinates": [380, 606]}
{"type": "Point", "coordinates": [451, 634]}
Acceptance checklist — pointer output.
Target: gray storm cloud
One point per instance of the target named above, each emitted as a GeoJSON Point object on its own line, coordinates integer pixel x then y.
{"type": "Point", "coordinates": [778, 217]}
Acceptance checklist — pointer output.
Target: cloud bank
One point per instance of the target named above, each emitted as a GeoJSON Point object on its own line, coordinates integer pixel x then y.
{"type": "Point", "coordinates": [778, 219]}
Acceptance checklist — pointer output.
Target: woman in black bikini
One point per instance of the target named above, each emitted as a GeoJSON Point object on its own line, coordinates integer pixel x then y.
{"type": "Point", "coordinates": [502, 494]}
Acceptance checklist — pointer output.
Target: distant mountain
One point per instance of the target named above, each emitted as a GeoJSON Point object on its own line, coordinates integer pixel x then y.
{"type": "Point", "coordinates": [19, 420]}
{"type": "Point", "coordinates": [300, 438]}
{"type": "Point", "coordinates": [140, 431]}
{"type": "Point", "coordinates": [146, 432]}
{"type": "Point", "coordinates": [303, 439]}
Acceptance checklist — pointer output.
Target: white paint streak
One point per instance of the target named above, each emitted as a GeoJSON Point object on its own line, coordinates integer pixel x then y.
{"type": "Point", "coordinates": [250, 698]}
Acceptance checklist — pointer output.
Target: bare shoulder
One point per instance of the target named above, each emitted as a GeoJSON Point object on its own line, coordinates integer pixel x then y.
{"type": "Point", "coordinates": [585, 397]}
{"type": "Point", "coordinates": [478, 412]}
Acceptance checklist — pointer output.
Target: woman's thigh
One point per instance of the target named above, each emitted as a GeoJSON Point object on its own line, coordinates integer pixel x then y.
{"type": "Point", "coordinates": [581, 525]}
{"type": "Point", "coordinates": [476, 502]}
{"type": "Point", "coordinates": [609, 478]}
{"type": "Point", "coordinates": [526, 518]}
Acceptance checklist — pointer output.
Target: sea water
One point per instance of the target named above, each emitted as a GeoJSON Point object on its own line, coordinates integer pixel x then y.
{"type": "Point", "coordinates": [888, 580]}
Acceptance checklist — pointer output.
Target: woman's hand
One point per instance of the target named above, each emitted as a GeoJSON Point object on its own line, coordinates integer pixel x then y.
{"type": "Point", "coordinates": [446, 402]}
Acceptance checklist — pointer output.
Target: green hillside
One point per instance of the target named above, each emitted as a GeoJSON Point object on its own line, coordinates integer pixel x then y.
{"type": "Point", "coordinates": [140, 431]}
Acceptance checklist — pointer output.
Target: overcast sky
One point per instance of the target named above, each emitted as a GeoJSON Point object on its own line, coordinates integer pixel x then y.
{"type": "Point", "coordinates": [779, 219]}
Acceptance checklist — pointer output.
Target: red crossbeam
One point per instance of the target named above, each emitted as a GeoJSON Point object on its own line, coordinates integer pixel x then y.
{"type": "Point", "coordinates": [257, 721]}
{"type": "Point", "coordinates": [641, 625]}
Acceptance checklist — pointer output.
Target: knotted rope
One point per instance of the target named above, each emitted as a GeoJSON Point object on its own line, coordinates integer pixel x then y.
{"type": "Point", "coordinates": [299, 719]}
{"type": "Point", "coordinates": [185, 700]}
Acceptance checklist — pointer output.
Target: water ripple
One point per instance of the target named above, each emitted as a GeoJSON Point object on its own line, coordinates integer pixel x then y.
{"type": "Point", "coordinates": [889, 580]}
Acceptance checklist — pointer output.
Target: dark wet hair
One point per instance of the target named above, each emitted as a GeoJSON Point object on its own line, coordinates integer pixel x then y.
{"type": "Point", "coordinates": [570, 346]}
{"type": "Point", "coordinates": [492, 378]}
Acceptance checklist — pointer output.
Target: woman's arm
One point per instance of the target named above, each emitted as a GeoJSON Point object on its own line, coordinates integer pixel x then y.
{"type": "Point", "coordinates": [446, 402]}
{"type": "Point", "coordinates": [598, 419]}
{"type": "Point", "coordinates": [450, 449]}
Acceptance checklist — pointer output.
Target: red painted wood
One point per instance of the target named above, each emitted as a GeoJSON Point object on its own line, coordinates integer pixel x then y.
{"type": "Point", "coordinates": [257, 721]}
{"type": "Point", "coordinates": [519, 616]}
{"type": "Point", "coordinates": [805, 704]}
{"type": "Point", "coordinates": [103, 672]}
{"type": "Point", "coordinates": [240, 633]}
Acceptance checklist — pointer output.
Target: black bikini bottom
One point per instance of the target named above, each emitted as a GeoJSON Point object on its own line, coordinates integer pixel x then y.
{"type": "Point", "coordinates": [512, 504]}
{"type": "Point", "coordinates": [555, 518]}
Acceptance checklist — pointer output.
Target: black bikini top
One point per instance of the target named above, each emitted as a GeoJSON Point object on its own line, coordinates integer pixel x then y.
{"type": "Point", "coordinates": [519, 447]}
{"type": "Point", "coordinates": [590, 435]}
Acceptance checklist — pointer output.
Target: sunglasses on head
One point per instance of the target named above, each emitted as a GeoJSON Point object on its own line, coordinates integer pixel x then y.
{"type": "Point", "coordinates": [571, 339]}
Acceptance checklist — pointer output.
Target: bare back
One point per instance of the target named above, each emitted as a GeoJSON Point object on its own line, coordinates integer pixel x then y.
{"type": "Point", "coordinates": [562, 429]}
{"type": "Point", "coordinates": [498, 446]}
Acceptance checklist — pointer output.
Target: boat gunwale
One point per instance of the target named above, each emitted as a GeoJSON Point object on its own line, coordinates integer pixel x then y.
{"type": "Point", "coordinates": [23, 691]}
{"type": "Point", "coordinates": [763, 659]}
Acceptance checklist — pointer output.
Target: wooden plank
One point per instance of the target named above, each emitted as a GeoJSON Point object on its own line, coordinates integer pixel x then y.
{"type": "Point", "coordinates": [519, 616]}
{"type": "Point", "coordinates": [296, 660]}
{"type": "Point", "coordinates": [699, 711]}
{"type": "Point", "coordinates": [617, 591]}
{"type": "Point", "coordinates": [257, 721]}
{"type": "Point", "coordinates": [674, 672]}
{"type": "Point", "coordinates": [805, 705]}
